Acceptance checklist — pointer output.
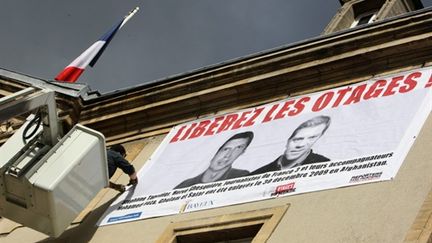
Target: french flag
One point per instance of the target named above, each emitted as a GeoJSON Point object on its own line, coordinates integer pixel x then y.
{"type": "Point", "coordinates": [90, 56]}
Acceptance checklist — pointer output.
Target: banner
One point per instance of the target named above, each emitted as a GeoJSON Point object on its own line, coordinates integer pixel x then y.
{"type": "Point", "coordinates": [341, 137]}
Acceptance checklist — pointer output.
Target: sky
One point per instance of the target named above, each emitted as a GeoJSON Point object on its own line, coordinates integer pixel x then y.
{"type": "Point", "coordinates": [165, 38]}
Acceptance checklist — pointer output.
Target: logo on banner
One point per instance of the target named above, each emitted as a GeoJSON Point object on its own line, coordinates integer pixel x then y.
{"type": "Point", "coordinates": [195, 205]}
{"type": "Point", "coordinates": [365, 177]}
{"type": "Point", "coordinates": [284, 189]}
{"type": "Point", "coordinates": [124, 217]}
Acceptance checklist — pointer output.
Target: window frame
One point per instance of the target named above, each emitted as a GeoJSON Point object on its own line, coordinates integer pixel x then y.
{"type": "Point", "coordinates": [269, 218]}
{"type": "Point", "coordinates": [360, 16]}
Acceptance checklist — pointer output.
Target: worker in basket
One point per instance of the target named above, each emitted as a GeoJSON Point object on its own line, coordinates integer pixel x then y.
{"type": "Point", "coordinates": [116, 155]}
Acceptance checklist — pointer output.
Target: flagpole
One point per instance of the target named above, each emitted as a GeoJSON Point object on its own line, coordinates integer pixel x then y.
{"type": "Point", "coordinates": [129, 16]}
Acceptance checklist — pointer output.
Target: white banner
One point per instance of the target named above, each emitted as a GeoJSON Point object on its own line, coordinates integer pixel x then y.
{"type": "Point", "coordinates": [340, 137]}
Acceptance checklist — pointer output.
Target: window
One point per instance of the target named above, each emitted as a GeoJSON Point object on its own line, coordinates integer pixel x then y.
{"type": "Point", "coordinates": [243, 234]}
{"type": "Point", "coordinates": [363, 19]}
{"type": "Point", "coordinates": [244, 227]}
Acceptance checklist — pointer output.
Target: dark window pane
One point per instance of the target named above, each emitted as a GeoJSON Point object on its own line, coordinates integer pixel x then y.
{"type": "Point", "coordinates": [231, 235]}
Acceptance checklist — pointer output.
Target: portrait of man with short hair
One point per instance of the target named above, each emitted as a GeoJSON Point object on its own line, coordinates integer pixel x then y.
{"type": "Point", "coordinates": [220, 167]}
{"type": "Point", "coordinates": [298, 149]}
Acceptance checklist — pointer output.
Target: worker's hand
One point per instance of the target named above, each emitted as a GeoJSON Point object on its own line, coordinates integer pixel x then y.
{"type": "Point", "coordinates": [121, 188]}
{"type": "Point", "coordinates": [118, 187]}
{"type": "Point", "coordinates": [133, 182]}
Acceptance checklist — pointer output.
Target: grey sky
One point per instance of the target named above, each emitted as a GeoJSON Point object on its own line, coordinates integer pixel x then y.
{"type": "Point", "coordinates": [166, 37]}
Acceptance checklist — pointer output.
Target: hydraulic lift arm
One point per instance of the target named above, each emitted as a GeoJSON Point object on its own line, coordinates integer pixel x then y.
{"type": "Point", "coordinates": [30, 99]}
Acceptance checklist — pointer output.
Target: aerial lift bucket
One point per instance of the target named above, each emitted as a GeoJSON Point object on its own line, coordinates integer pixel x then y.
{"type": "Point", "coordinates": [46, 182]}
